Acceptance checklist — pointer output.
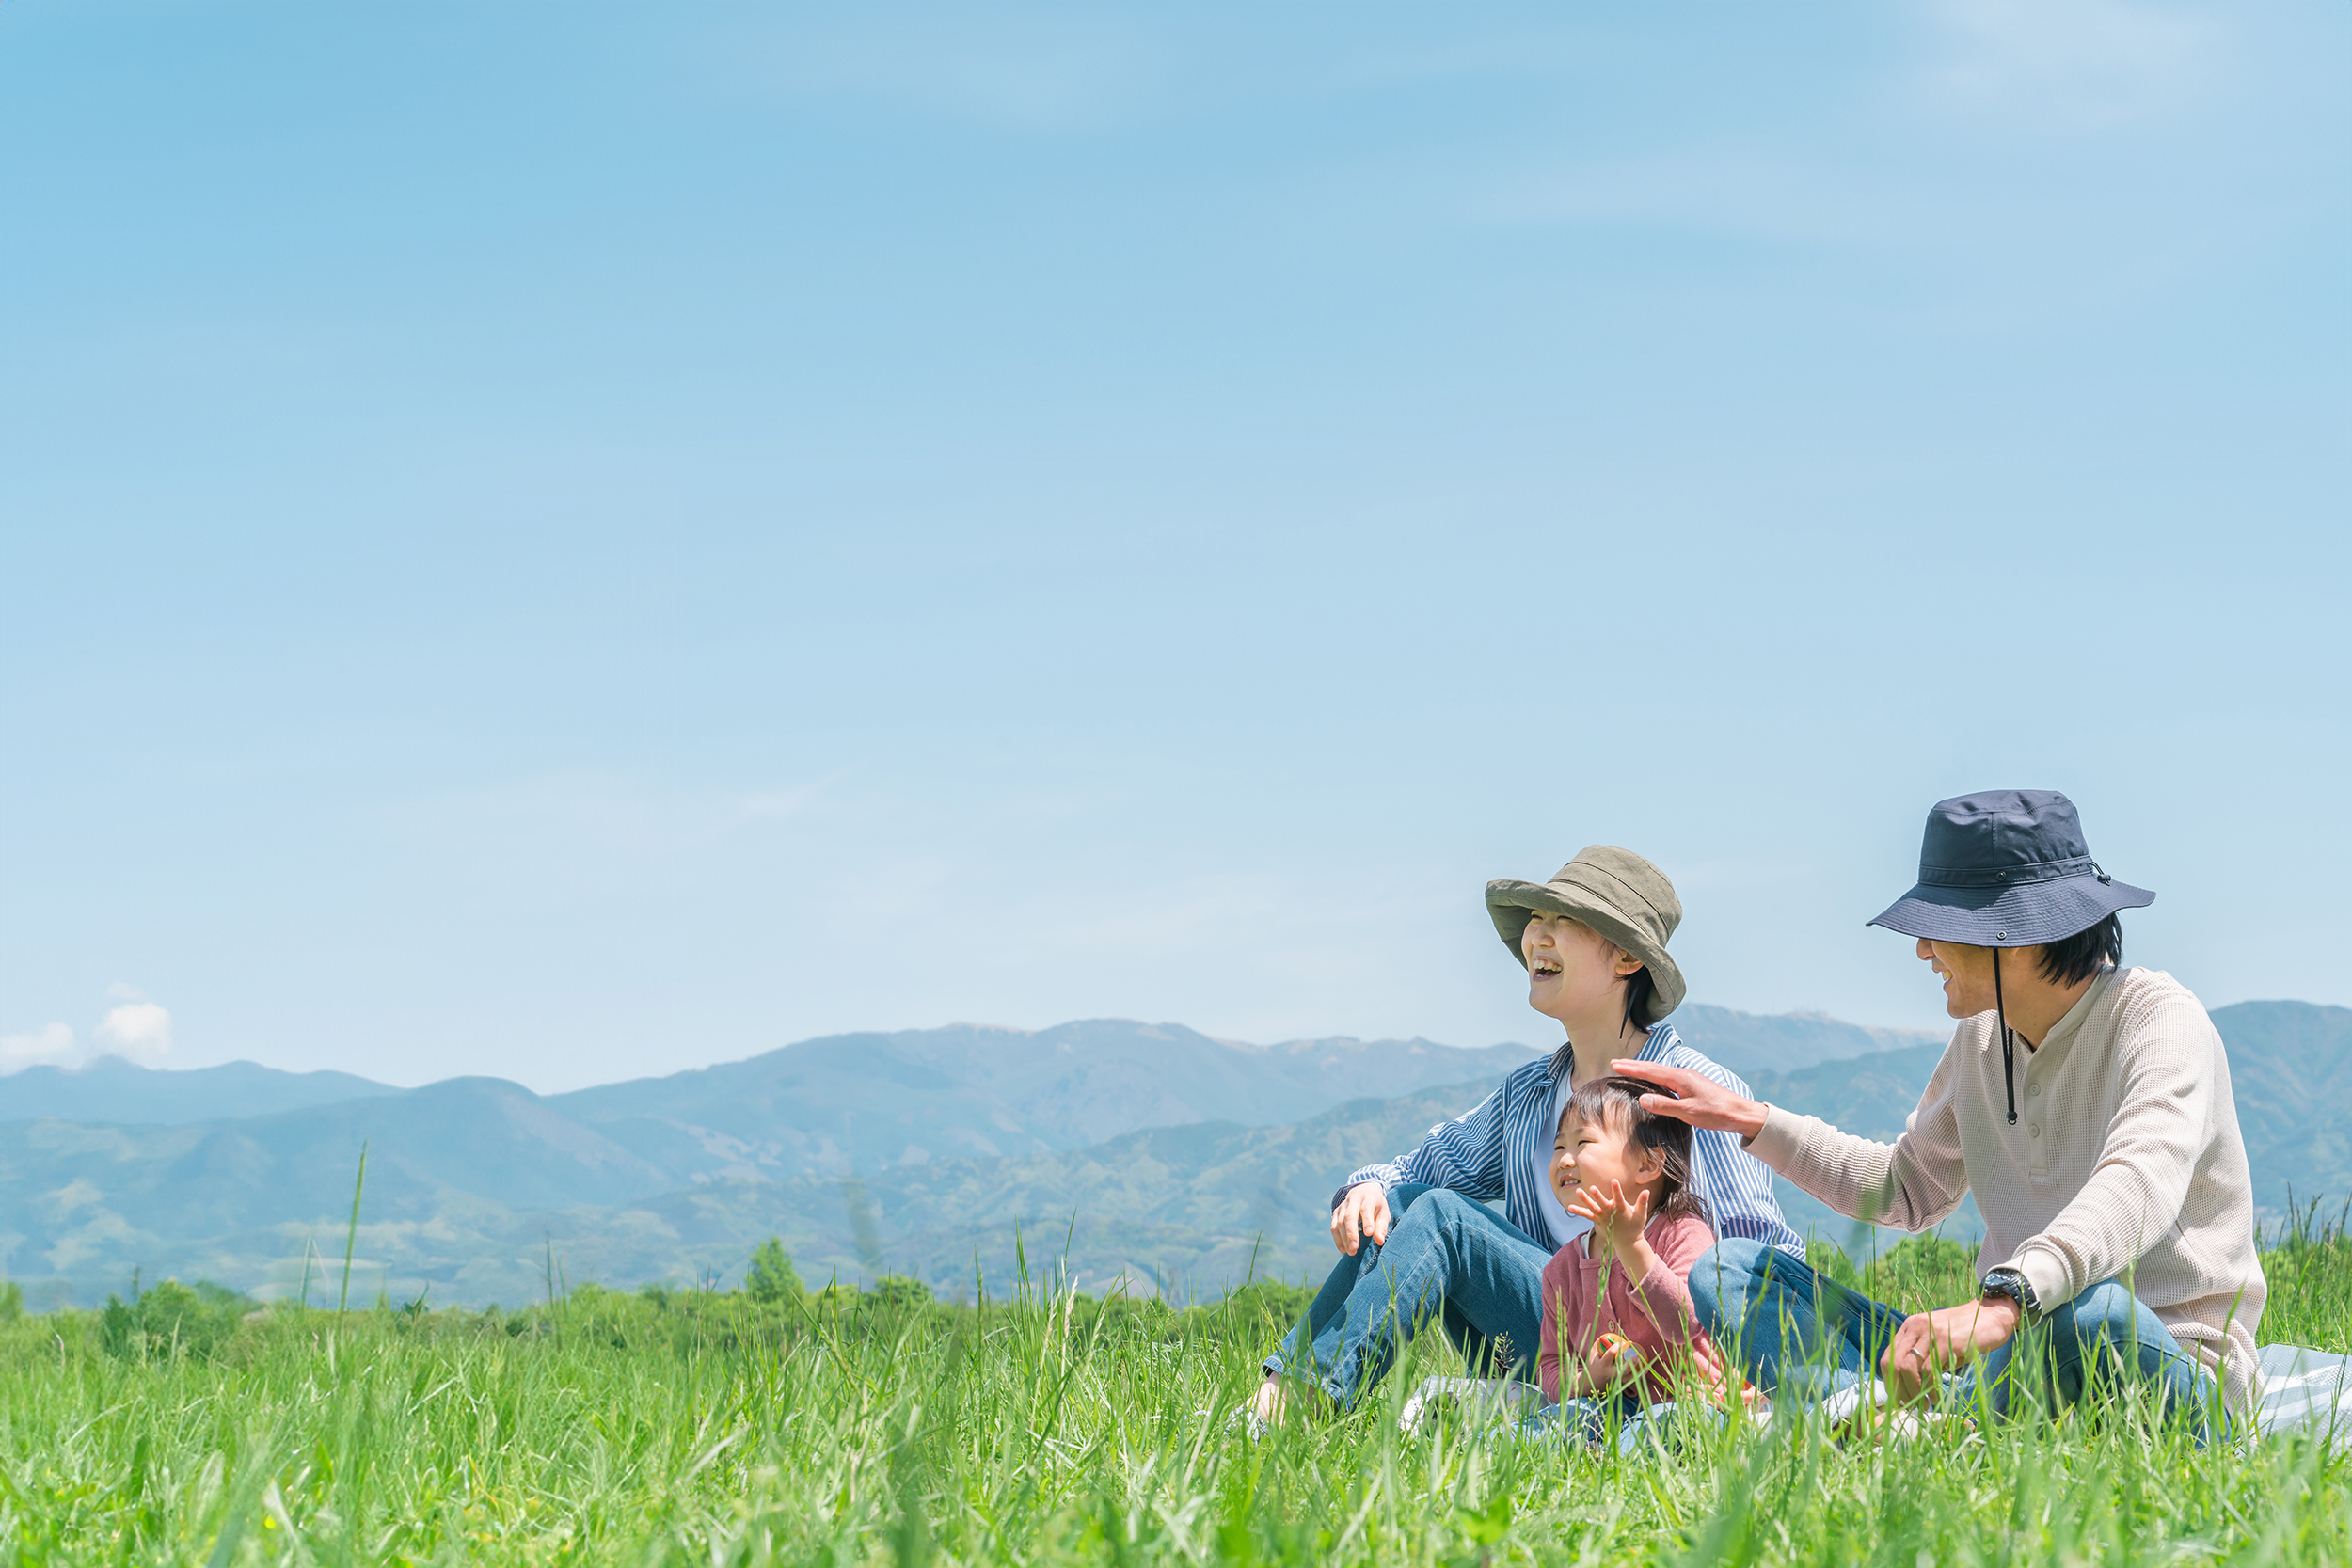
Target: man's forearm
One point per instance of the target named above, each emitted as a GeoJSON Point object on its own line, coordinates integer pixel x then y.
{"type": "Point", "coordinates": [1901, 1184]}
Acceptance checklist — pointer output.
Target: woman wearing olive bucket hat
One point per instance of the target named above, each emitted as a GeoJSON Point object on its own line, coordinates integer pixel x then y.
{"type": "Point", "coordinates": [1416, 1240]}
{"type": "Point", "coordinates": [2105, 1157]}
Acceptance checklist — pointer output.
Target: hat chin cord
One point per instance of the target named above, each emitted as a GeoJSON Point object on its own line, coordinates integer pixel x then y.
{"type": "Point", "coordinates": [2008, 1040]}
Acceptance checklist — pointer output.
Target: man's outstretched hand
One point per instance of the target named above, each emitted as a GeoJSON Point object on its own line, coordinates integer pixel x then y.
{"type": "Point", "coordinates": [1934, 1343]}
{"type": "Point", "coordinates": [1364, 1211]}
{"type": "Point", "coordinates": [1700, 1101]}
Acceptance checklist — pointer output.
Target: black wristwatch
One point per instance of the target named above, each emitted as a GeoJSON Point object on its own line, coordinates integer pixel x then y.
{"type": "Point", "coordinates": [2012, 1284]}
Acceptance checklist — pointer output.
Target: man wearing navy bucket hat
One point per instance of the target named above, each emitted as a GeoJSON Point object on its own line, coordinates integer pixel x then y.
{"type": "Point", "coordinates": [2104, 1156]}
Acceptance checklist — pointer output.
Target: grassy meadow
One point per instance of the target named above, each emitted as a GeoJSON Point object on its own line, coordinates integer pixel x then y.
{"type": "Point", "coordinates": [880, 1427]}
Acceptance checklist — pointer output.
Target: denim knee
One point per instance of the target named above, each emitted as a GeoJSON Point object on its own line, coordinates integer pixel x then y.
{"type": "Point", "coordinates": [2106, 1316]}
{"type": "Point", "coordinates": [2105, 1311]}
{"type": "Point", "coordinates": [1404, 1194]}
{"type": "Point", "coordinates": [1731, 1267]}
{"type": "Point", "coordinates": [1438, 1205]}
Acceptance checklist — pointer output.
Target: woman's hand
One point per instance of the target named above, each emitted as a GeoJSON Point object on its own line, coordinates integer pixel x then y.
{"type": "Point", "coordinates": [1619, 1220]}
{"type": "Point", "coordinates": [1364, 1211]}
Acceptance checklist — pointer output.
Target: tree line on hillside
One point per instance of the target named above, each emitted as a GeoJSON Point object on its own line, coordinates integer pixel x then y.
{"type": "Point", "coordinates": [205, 1320]}
{"type": "Point", "coordinates": [774, 1305]}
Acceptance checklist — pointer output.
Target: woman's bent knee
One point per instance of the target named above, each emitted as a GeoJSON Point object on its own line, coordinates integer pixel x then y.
{"type": "Point", "coordinates": [1406, 1193]}
{"type": "Point", "coordinates": [1439, 1206]}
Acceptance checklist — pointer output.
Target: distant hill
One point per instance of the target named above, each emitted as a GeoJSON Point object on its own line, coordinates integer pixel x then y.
{"type": "Point", "coordinates": [453, 1165]}
{"type": "Point", "coordinates": [1151, 1148]}
{"type": "Point", "coordinates": [1754, 1043]}
{"type": "Point", "coordinates": [89, 1202]}
{"type": "Point", "coordinates": [1194, 1207]}
{"type": "Point", "coordinates": [1190, 1205]}
{"type": "Point", "coordinates": [865, 1103]}
{"type": "Point", "coordinates": [844, 1102]}
{"type": "Point", "coordinates": [113, 1090]}
{"type": "Point", "coordinates": [2291, 1069]}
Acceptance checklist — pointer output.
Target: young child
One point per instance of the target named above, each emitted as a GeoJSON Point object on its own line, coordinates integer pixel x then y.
{"type": "Point", "coordinates": [1618, 1329]}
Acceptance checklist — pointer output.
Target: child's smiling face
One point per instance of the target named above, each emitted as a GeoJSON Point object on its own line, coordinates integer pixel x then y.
{"type": "Point", "coordinates": [1594, 1154]}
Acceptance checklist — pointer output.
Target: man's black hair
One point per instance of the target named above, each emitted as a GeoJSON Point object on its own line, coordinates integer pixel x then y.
{"type": "Point", "coordinates": [2078, 958]}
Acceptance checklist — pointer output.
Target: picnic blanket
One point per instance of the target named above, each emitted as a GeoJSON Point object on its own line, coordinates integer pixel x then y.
{"type": "Point", "coordinates": [2304, 1389]}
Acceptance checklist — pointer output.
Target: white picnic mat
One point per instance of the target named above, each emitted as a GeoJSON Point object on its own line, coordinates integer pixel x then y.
{"type": "Point", "coordinates": [2302, 1389]}
{"type": "Point", "coordinates": [1484, 1400]}
{"type": "Point", "coordinates": [2305, 1388]}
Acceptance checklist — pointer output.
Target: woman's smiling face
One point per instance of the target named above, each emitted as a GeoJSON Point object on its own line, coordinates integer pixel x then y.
{"type": "Point", "coordinates": [1572, 970]}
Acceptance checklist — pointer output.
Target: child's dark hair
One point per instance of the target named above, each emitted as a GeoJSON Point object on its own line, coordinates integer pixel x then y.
{"type": "Point", "coordinates": [1617, 1102]}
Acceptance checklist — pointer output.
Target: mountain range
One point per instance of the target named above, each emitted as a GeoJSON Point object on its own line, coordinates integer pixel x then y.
{"type": "Point", "coordinates": [113, 1090]}
{"type": "Point", "coordinates": [1150, 1150]}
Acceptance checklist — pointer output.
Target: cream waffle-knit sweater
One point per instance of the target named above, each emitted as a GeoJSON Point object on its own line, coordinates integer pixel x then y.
{"type": "Point", "coordinates": [2125, 1162]}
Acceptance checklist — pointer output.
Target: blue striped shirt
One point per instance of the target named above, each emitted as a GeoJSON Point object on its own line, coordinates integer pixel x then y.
{"type": "Point", "coordinates": [1500, 1148]}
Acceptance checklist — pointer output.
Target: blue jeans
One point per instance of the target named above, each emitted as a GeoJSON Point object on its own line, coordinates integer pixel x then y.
{"type": "Point", "coordinates": [1800, 1337]}
{"type": "Point", "coordinates": [1447, 1259]}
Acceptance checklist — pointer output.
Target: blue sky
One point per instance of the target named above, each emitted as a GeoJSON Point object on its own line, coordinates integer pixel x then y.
{"type": "Point", "coordinates": [576, 542]}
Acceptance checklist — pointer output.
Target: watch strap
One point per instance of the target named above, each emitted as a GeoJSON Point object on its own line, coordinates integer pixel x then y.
{"type": "Point", "coordinates": [2012, 1284]}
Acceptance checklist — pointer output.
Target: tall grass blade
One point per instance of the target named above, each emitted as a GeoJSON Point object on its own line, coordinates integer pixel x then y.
{"type": "Point", "coordinates": [351, 1236]}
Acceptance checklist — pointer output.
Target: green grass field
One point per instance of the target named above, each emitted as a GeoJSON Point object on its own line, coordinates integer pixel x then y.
{"type": "Point", "coordinates": [714, 1428]}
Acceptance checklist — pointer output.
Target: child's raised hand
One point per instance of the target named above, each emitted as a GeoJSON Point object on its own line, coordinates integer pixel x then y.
{"type": "Point", "coordinates": [1636, 1212]}
{"type": "Point", "coordinates": [1591, 1203]}
{"type": "Point", "coordinates": [1619, 1219]}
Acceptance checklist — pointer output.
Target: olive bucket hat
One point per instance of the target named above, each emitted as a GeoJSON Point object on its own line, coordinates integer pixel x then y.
{"type": "Point", "coordinates": [1617, 894]}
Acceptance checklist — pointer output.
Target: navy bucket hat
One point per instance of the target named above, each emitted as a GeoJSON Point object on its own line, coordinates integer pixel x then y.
{"type": "Point", "coordinates": [2007, 868]}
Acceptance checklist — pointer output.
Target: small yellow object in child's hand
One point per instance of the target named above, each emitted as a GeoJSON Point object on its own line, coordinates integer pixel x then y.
{"type": "Point", "coordinates": [1615, 1343]}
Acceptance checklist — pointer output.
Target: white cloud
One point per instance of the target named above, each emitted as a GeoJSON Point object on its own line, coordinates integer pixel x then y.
{"type": "Point", "coordinates": [600, 814]}
{"type": "Point", "coordinates": [1743, 188]}
{"type": "Point", "coordinates": [2085, 61]}
{"type": "Point", "coordinates": [1074, 71]}
{"type": "Point", "coordinates": [779, 805]}
{"type": "Point", "coordinates": [137, 1031]}
{"type": "Point", "coordinates": [52, 1045]}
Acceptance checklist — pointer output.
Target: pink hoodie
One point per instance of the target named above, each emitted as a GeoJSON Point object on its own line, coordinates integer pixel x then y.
{"type": "Point", "coordinates": [1654, 1313]}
